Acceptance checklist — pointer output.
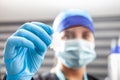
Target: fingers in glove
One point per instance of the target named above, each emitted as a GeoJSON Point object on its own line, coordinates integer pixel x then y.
{"type": "Point", "coordinates": [16, 41]}
{"type": "Point", "coordinates": [38, 31]}
{"type": "Point", "coordinates": [47, 28]}
{"type": "Point", "coordinates": [40, 46]}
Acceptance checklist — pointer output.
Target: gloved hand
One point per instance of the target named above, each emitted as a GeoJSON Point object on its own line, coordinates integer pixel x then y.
{"type": "Point", "coordinates": [25, 50]}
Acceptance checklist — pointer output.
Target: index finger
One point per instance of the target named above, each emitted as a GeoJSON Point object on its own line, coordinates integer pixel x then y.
{"type": "Point", "coordinates": [47, 28]}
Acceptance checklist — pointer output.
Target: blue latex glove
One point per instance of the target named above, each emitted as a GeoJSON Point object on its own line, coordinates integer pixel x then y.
{"type": "Point", "coordinates": [25, 50]}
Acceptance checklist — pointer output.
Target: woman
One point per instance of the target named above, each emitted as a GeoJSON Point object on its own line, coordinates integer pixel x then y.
{"type": "Point", "coordinates": [73, 43]}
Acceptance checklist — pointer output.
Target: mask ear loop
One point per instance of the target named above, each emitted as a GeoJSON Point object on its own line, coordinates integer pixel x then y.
{"type": "Point", "coordinates": [59, 73]}
{"type": "Point", "coordinates": [85, 76]}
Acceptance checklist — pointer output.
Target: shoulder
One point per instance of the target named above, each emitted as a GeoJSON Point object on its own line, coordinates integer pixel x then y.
{"type": "Point", "coordinates": [90, 77]}
{"type": "Point", "coordinates": [47, 76]}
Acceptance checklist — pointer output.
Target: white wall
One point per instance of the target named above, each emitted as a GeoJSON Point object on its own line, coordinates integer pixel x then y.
{"type": "Point", "coordinates": [19, 10]}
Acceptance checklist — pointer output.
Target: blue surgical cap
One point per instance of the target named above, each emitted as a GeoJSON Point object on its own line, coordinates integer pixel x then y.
{"type": "Point", "coordinates": [73, 17]}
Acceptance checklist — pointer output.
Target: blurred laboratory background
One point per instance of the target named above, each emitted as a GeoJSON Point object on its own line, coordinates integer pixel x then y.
{"type": "Point", "coordinates": [105, 13]}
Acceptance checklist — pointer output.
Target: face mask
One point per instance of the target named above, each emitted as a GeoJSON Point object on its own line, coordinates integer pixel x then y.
{"type": "Point", "coordinates": [76, 53]}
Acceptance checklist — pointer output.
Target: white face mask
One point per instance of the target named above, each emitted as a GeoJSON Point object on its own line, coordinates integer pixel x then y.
{"type": "Point", "coordinates": [76, 53]}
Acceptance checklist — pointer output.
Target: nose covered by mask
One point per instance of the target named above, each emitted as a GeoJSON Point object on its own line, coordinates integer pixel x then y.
{"type": "Point", "coordinates": [76, 53]}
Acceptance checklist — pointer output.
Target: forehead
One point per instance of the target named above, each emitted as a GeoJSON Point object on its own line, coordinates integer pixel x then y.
{"type": "Point", "coordinates": [76, 29]}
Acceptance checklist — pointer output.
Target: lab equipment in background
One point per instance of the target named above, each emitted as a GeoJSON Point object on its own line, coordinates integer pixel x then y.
{"type": "Point", "coordinates": [114, 61]}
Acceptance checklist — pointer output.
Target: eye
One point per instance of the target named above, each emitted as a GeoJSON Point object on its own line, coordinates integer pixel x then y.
{"type": "Point", "coordinates": [86, 35]}
{"type": "Point", "coordinates": [68, 35]}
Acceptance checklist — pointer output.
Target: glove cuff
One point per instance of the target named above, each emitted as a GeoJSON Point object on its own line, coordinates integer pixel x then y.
{"type": "Point", "coordinates": [17, 77]}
